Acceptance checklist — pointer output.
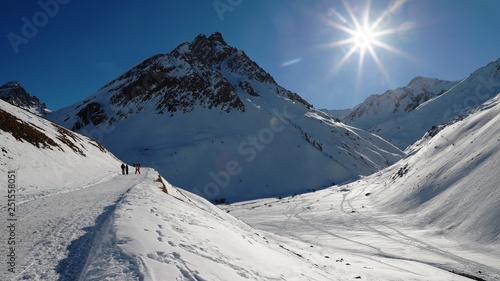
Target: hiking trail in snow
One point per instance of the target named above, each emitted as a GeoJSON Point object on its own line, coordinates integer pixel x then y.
{"type": "Point", "coordinates": [57, 232]}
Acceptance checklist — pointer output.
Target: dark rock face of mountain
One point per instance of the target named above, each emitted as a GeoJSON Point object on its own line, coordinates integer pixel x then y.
{"type": "Point", "coordinates": [15, 94]}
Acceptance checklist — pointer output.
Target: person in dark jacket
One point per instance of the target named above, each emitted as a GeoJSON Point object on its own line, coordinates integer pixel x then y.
{"type": "Point", "coordinates": [137, 168]}
{"type": "Point", "coordinates": [126, 169]}
{"type": "Point", "coordinates": [123, 169]}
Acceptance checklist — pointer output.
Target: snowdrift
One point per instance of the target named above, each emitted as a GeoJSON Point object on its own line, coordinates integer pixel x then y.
{"type": "Point", "coordinates": [180, 236]}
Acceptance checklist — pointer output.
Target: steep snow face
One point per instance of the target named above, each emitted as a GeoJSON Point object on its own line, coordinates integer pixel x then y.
{"type": "Point", "coordinates": [404, 115]}
{"type": "Point", "coordinates": [41, 152]}
{"type": "Point", "coordinates": [206, 109]}
{"type": "Point", "coordinates": [451, 181]}
{"type": "Point", "coordinates": [15, 94]}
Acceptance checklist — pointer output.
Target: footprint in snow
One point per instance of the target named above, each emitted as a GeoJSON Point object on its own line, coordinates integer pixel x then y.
{"type": "Point", "coordinates": [160, 257]}
{"type": "Point", "coordinates": [160, 233]}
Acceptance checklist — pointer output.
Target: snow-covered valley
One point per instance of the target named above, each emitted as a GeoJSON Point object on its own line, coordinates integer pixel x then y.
{"type": "Point", "coordinates": [78, 218]}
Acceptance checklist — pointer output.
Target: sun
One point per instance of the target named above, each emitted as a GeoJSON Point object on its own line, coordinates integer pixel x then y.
{"type": "Point", "coordinates": [363, 38]}
{"type": "Point", "coordinates": [363, 35]}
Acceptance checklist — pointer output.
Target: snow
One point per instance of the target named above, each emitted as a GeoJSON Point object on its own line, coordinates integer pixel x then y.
{"type": "Point", "coordinates": [387, 116]}
{"type": "Point", "coordinates": [92, 223]}
{"type": "Point", "coordinates": [439, 207]}
{"type": "Point", "coordinates": [452, 172]}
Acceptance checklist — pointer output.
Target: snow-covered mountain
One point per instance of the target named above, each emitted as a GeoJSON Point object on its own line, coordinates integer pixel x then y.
{"type": "Point", "coordinates": [451, 181]}
{"type": "Point", "coordinates": [381, 114]}
{"type": "Point", "coordinates": [431, 216]}
{"type": "Point", "coordinates": [14, 93]}
{"type": "Point", "coordinates": [403, 115]}
{"type": "Point", "coordinates": [206, 109]}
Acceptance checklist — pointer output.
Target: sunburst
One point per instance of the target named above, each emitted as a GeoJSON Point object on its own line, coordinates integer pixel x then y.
{"type": "Point", "coordinates": [364, 36]}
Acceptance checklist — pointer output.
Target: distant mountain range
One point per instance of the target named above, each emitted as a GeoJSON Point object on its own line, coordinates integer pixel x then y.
{"type": "Point", "coordinates": [214, 122]}
{"type": "Point", "coordinates": [403, 115]}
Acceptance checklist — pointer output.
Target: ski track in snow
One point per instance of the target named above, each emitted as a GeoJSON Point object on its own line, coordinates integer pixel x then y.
{"type": "Point", "coordinates": [64, 226]}
{"type": "Point", "coordinates": [397, 236]}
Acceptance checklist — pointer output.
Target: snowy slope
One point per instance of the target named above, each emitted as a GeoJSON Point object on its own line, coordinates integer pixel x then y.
{"type": "Point", "coordinates": [393, 104]}
{"type": "Point", "coordinates": [48, 162]}
{"type": "Point", "coordinates": [338, 113]}
{"type": "Point", "coordinates": [452, 180]}
{"type": "Point", "coordinates": [403, 115]}
{"type": "Point", "coordinates": [180, 236]}
{"type": "Point", "coordinates": [37, 148]}
{"type": "Point", "coordinates": [79, 219]}
{"type": "Point", "coordinates": [206, 108]}
{"type": "Point", "coordinates": [440, 206]}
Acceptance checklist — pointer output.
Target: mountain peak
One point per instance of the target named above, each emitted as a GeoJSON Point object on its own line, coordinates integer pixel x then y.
{"type": "Point", "coordinates": [13, 93]}
{"type": "Point", "coordinates": [214, 38]}
{"type": "Point", "coordinates": [212, 50]}
{"type": "Point", "coordinates": [205, 72]}
{"type": "Point", "coordinates": [417, 80]}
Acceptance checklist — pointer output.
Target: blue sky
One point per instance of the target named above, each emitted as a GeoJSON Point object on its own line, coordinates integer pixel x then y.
{"type": "Point", "coordinates": [63, 51]}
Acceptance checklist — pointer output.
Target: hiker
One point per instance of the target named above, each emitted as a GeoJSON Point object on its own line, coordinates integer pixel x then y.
{"type": "Point", "coordinates": [126, 169]}
{"type": "Point", "coordinates": [137, 168]}
{"type": "Point", "coordinates": [123, 169]}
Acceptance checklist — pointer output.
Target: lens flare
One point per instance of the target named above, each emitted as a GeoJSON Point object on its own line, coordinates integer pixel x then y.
{"type": "Point", "coordinates": [364, 35]}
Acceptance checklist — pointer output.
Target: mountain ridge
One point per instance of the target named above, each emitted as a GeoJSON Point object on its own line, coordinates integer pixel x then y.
{"type": "Point", "coordinates": [13, 93]}
{"type": "Point", "coordinates": [403, 115]}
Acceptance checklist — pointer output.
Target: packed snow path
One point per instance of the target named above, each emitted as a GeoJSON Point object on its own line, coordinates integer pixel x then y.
{"type": "Point", "coordinates": [57, 232]}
